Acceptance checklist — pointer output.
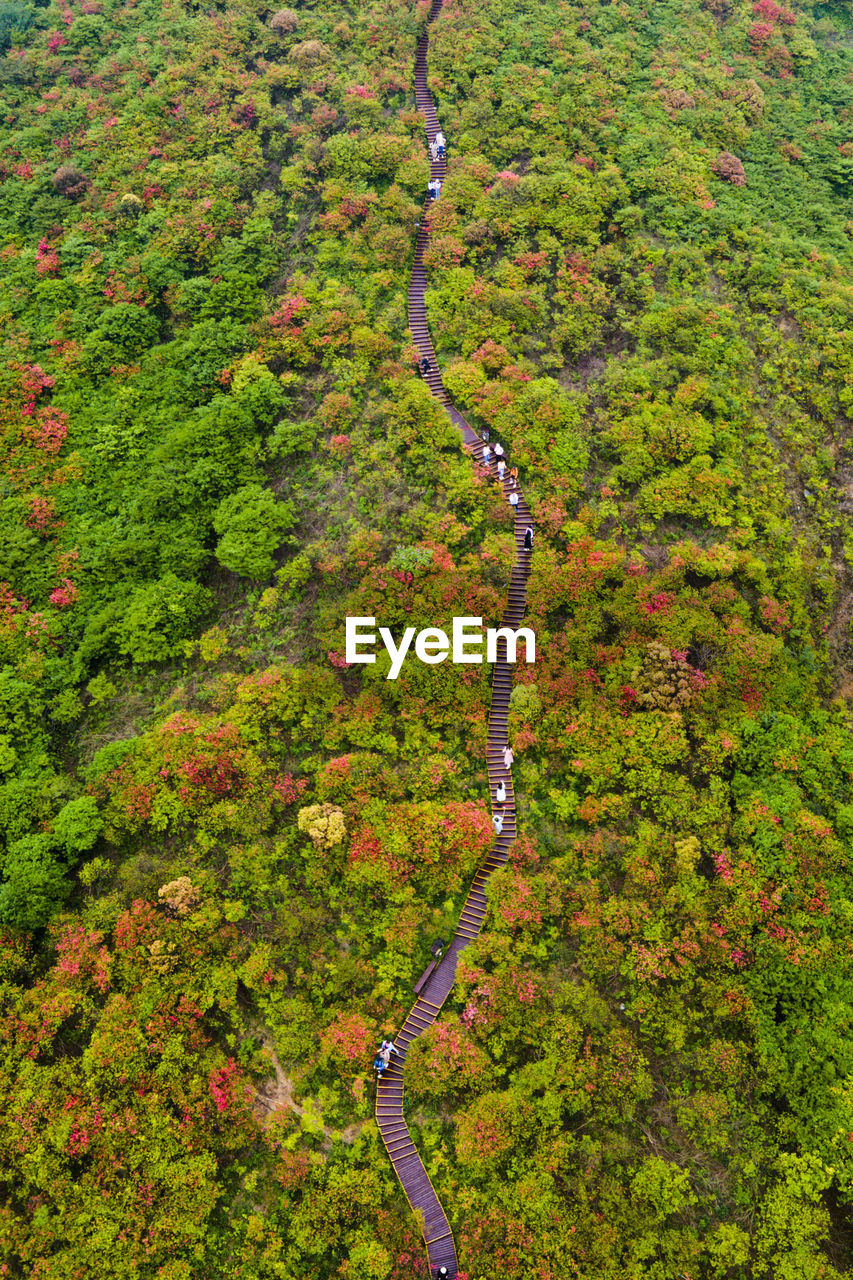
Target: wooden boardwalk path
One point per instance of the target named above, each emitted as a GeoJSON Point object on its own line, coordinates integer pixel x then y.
{"type": "Point", "coordinates": [407, 1163]}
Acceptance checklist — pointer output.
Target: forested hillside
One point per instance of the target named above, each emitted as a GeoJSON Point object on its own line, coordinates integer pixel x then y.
{"type": "Point", "coordinates": [226, 851]}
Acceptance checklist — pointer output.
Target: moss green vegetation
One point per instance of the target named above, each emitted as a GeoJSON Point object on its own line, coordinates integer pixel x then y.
{"type": "Point", "coordinates": [224, 853]}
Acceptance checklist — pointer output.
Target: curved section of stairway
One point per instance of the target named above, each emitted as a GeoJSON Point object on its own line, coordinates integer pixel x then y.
{"type": "Point", "coordinates": [408, 1165]}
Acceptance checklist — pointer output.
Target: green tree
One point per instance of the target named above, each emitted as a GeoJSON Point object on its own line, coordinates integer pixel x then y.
{"type": "Point", "coordinates": [159, 617]}
{"type": "Point", "coordinates": [35, 885]}
{"type": "Point", "coordinates": [250, 523]}
{"type": "Point", "coordinates": [15, 19]}
{"type": "Point", "coordinates": [78, 825]}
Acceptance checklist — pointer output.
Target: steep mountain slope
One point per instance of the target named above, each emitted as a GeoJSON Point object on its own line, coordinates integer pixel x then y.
{"type": "Point", "coordinates": [217, 834]}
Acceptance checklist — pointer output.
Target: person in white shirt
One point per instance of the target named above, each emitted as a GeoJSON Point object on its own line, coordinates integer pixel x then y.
{"type": "Point", "coordinates": [498, 820]}
{"type": "Point", "coordinates": [500, 794]}
{"type": "Point", "coordinates": [387, 1048]}
{"type": "Point", "coordinates": [513, 500]}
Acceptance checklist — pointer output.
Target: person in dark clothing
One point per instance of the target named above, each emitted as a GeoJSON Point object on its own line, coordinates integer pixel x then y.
{"type": "Point", "coordinates": [528, 539]}
{"type": "Point", "coordinates": [426, 365]}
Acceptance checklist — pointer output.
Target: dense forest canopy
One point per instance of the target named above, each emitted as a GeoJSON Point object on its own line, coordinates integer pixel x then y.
{"type": "Point", "coordinates": [226, 851]}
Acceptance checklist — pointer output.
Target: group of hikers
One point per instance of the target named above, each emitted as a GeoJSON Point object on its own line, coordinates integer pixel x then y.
{"type": "Point", "coordinates": [500, 789]}
{"type": "Point", "coordinates": [423, 367]}
{"type": "Point", "coordinates": [437, 151]}
{"type": "Point", "coordinates": [512, 482]}
{"type": "Point", "coordinates": [491, 452]}
{"type": "Point", "coordinates": [383, 1056]}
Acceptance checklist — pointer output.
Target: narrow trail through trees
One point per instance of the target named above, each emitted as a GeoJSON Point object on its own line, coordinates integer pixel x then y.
{"type": "Point", "coordinates": [408, 1165]}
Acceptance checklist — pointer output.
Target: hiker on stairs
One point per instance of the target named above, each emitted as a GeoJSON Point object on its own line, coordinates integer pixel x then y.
{"type": "Point", "coordinates": [385, 1050]}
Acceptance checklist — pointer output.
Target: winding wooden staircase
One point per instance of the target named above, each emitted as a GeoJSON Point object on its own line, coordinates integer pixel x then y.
{"type": "Point", "coordinates": [408, 1165]}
